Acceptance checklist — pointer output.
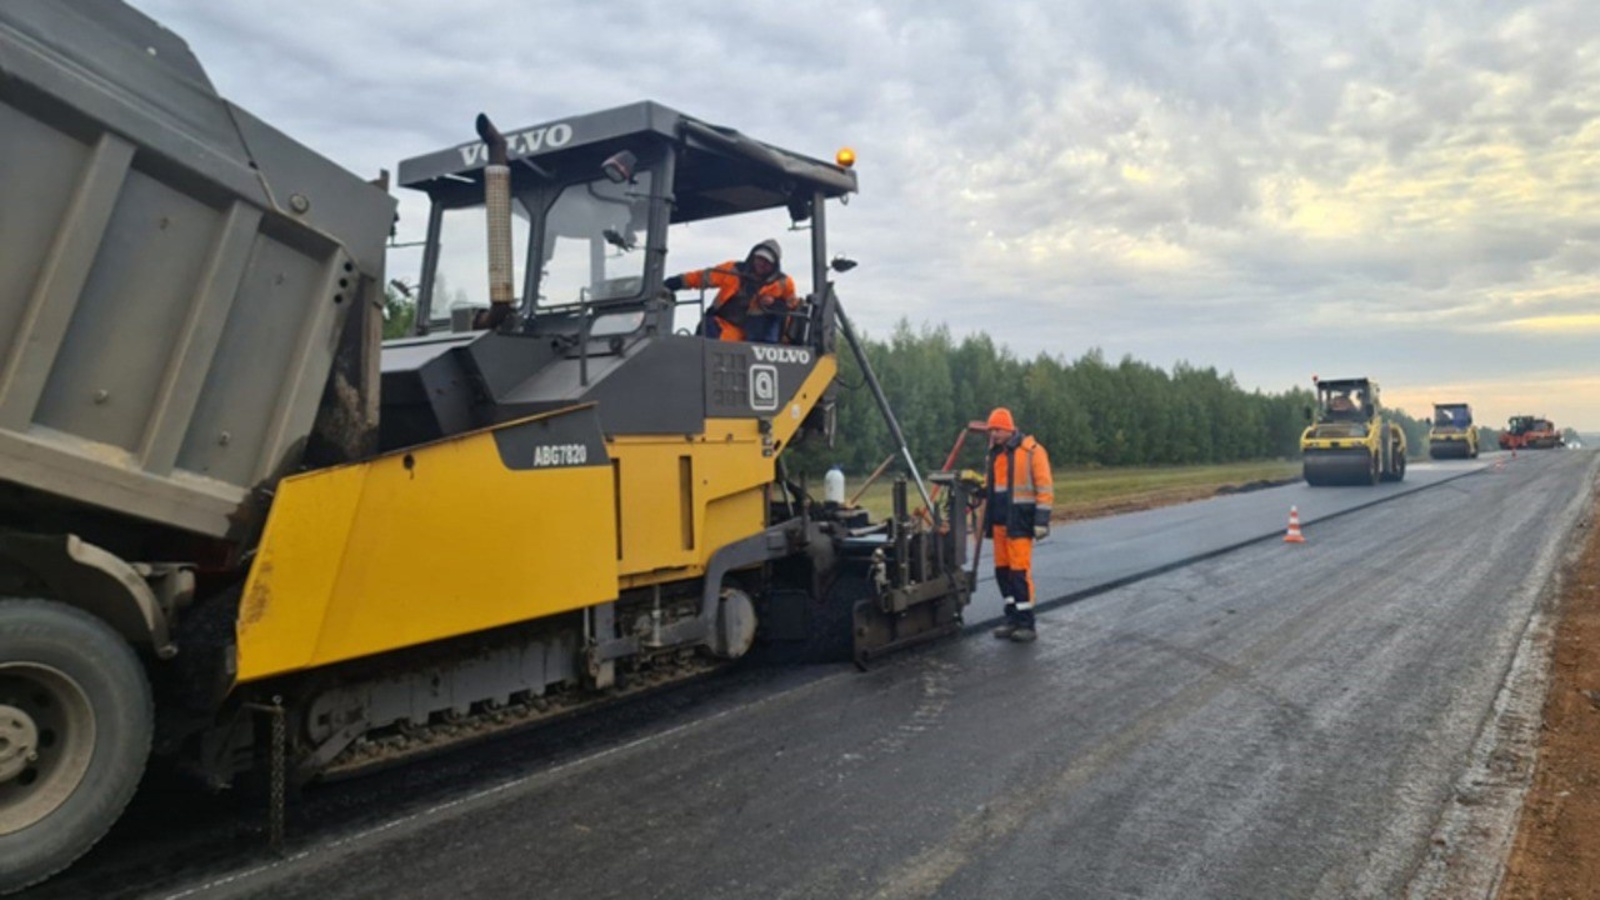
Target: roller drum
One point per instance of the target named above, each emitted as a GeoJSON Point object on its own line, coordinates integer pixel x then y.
{"type": "Point", "coordinates": [1339, 467]}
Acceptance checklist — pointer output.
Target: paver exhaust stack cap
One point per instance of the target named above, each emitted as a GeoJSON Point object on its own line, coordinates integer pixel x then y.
{"type": "Point", "coordinates": [1294, 536]}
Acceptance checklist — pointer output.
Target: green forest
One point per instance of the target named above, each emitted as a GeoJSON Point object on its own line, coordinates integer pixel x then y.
{"type": "Point", "coordinates": [1088, 412]}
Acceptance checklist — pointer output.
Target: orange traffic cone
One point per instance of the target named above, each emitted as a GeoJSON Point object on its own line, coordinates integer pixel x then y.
{"type": "Point", "coordinates": [1294, 536]}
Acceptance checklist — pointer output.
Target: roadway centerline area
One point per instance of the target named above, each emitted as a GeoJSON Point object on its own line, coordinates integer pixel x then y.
{"type": "Point", "coordinates": [1084, 558]}
{"type": "Point", "coordinates": [1271, 722]}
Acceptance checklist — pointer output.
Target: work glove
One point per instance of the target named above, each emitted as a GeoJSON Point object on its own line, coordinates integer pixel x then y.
{"type": "Point", "coordinates": [673, 283]}
{"type": "Point", "coordinates": [1040, 532]}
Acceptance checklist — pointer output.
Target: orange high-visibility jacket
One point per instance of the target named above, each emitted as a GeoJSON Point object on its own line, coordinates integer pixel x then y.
{"type": "Point", "coordinates": [1021, 489]}
{"type": "Point", "coordinates": [736, 302]}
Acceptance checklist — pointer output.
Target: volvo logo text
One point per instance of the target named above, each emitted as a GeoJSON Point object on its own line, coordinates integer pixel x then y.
{"type": "Point", "coordinates": [521, 143]}
{"type": "Point", "coordinates": [799, 355]}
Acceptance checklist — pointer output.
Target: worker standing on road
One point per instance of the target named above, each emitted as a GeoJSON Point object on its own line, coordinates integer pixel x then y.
{"type": "Point", "coordinates": [753, 297]}
{"type": "Point", "coordinates": [1020, 493]}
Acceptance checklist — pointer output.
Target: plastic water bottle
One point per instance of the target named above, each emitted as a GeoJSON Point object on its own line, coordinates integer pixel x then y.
{"type": "Point", "coordinates": [833, 486]}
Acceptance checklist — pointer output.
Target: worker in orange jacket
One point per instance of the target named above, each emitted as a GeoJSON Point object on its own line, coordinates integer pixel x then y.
{"type": "Point", "coordinates": [753, 296]}
{"type": "Point", "coordinates": [1020, 492]}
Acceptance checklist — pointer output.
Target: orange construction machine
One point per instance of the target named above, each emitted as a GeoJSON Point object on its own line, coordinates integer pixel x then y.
{"type": "Point", "coordinates": [1530, 433]}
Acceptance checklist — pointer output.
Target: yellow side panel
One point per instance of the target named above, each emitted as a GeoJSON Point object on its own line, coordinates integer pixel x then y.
{"type": "Point", "coordinates": [787, 420]}
{"type": "Point", "coordinates": [429, 543]}
{"type": "Point", "coordinates": [657, 530]}
{"type": "Point", "coordinates": [729, 473]}
{"type": "Point", "coordinates": [735, 517]}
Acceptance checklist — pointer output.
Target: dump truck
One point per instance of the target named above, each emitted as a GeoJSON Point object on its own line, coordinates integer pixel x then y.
{"type": "Point", "coordinates": [240, 535]}
{"type": "Point", "coordinates": [1351, 440]}
{"type": "Point", "coordinates": [1530, 433]}
{"type": "Point", "coordinates": [1452, 435]}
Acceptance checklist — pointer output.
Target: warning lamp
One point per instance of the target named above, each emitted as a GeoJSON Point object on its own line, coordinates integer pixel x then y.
{"type": "Point", "coordinates": [845, 157]}
{"type": "Point", "coordinates": [618, 169]}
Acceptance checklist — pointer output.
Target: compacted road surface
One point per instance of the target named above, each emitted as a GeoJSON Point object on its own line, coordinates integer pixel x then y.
{"type": "Point", "coordinates": [1275, 721]}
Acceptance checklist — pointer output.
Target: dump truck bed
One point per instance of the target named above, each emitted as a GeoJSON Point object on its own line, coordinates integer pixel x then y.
{"type": "Point", "coordinates": [175, 276]}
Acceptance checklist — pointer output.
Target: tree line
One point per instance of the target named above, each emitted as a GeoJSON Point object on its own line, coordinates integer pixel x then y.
{"type": "Point", "coordinates": [1087, 412]}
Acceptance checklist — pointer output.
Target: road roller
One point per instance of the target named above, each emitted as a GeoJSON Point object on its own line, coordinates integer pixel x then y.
{"type": "Point", "coordinates": [1452, 436]}
{"type": "Point", "coordinates": [1351, 439]}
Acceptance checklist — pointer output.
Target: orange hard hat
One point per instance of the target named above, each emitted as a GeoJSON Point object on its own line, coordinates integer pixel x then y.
{"type": "Point", "coordinates": [1000, 420]}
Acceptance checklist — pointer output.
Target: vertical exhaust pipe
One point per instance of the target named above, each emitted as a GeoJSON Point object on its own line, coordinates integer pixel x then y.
{"type": "Point", "coordinates": [497, 205]}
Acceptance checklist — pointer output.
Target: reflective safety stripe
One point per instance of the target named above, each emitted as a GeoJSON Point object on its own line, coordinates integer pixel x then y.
{"type": "Point", "coordinates": [1023, 489]}
{"type": "Point", "coordinates": [1033, 487]}
{"type": "Point", "coordinates": [1029, 488]}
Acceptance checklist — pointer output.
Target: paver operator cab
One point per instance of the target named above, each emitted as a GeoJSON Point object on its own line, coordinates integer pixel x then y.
{"type": "Point", "coordinates": [591, 198]}
{"type": "Point", "coordinates": [231, 537]}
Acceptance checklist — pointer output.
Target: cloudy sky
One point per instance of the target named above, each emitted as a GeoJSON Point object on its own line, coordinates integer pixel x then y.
{"type": "Point", "coordinates": [1409, 191]}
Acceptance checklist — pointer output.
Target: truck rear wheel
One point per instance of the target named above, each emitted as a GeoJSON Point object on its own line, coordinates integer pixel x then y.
{"type": "Point", "coordinates": [75, 726]}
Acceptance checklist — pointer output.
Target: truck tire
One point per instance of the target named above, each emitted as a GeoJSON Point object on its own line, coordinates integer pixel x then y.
{"type": "Point", "coordinates": [75, 726]}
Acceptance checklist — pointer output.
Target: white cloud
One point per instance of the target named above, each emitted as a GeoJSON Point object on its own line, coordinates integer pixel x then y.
{"type": "Point", "coordinates": [1242, 184]}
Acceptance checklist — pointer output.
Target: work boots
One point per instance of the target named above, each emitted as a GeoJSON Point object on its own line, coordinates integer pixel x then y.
{"type": "Point", "coordinates": [1016, 633]}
